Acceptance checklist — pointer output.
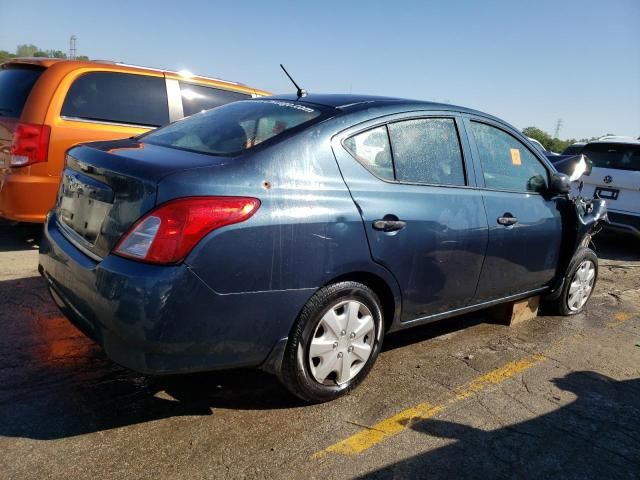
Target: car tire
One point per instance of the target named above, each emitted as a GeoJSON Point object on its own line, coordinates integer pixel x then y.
{"type": "Point", "coordinates": [579, 283]}
{"type": "Point", "coordinates": [334, 342]}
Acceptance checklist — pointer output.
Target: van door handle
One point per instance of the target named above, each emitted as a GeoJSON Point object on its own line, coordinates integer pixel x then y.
{"type": "Point", "coordinates": [507, 219]}
{"type": "Point", "coordinates": [389, 225]}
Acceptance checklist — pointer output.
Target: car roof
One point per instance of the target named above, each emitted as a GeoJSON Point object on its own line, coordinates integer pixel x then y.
{"type": "Point", "coordinates": [355, 102]}
{"type": "Point", "coordinates": [108, 64]}
{"type": "Point", "coordinates": [617, 140]}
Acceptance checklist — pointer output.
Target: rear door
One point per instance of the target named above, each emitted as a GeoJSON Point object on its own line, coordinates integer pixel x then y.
{"type": "Point", "coordinates": [424, 219]}
{"type": "Point", "coordinates": [615, 175]}
{"type": "Point", "coordinates": [525, 227]}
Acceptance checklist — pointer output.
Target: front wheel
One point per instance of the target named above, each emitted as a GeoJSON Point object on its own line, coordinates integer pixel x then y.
{"type": "Point", "coordinates": [334, 342]}
{"type": "Point", "coordinates": [580, 281]}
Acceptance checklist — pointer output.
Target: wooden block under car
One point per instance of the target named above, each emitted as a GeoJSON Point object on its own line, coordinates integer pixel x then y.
{"type": "Point", "coordinates": [515, 312]}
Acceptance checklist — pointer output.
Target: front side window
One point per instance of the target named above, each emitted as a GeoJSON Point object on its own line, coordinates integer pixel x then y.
{"type": "Point", "coordinates": [119, 98]}
{"type": "Point", "coordinates": [371, 149]}
{"type": "Point", "coordinates": [506, 163]}
{"type": "Point", "coordinates": [197, 98]}
{"type": "Point", "coordinates": [427, 150]}
{"type": "Point", "coordinates": [233, 128]}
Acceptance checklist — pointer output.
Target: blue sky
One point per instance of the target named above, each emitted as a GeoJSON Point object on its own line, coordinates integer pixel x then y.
{"type": "Point", "coordinates": [530, 63]}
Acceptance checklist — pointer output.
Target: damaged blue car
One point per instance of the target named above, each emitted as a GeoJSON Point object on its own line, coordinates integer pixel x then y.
{"type": "Point", "coordinates": [293, 233]}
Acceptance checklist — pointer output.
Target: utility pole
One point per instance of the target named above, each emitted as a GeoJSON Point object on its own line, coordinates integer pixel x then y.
{"type": "Point", "coordinates": [72, 47]}
{"type": "Point", "coordinates": [558, 127]}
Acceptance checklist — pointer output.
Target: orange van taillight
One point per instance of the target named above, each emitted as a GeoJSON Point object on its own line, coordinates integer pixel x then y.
{"type": "Point", "coordinates": [30, 144]}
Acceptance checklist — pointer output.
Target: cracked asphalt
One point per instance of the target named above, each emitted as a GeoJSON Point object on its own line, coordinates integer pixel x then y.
{"type": "Point", "coordinates": [463, 398]}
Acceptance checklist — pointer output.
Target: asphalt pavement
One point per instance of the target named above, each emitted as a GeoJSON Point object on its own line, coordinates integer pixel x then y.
{"type": "Point", "coordinates": [464, 398]}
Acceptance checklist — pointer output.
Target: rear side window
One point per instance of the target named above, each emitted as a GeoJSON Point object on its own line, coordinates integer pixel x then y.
{"type": "Point", "coordinates": [197, 98]}
{"type": "Point", "coordinates": [427, 150]}
{"type": "Point", "coordinates": [119, 98]}
{"type": "Point", "coordinates": [617, 156]}
{"type": "Point", "coordinates": [371, 148]}
{"type": "Point", "coordinates": [506, 163]}
{"type": "Point", "coordinates": [233, 128]}
{"type": "Point", "coordinates": [16, 82]}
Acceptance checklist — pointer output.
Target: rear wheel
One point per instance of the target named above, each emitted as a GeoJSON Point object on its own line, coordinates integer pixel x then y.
{"type": "Point", "coordinates": [579, 284]}
{"type": "Point", "coordinates": [334, 342]}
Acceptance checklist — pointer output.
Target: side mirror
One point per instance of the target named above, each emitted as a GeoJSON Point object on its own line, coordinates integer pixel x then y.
{"type": "Point", "coordinates": [581, 167]}
{"type": "Point", "coordinates": [559, 184]}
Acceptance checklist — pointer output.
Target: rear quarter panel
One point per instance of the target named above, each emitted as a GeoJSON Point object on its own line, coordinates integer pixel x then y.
{"type": "Point", "coordinates": [307, 231]}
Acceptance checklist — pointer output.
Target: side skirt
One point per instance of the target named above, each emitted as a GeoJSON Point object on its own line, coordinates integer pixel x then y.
{"type": "Point", "coordinates": [463, 310]}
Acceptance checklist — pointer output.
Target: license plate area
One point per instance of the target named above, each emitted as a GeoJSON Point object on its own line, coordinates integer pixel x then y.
{"type": "Point", "coordinates": [83, 204]}
{"type": "Point", "coordinates": [607, 193]}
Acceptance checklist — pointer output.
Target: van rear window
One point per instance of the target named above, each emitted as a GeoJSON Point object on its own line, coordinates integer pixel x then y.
{"type": "Point", "coordinates": [619, 156]}
{"type": "Point", "coordinates": [16, 82]}
{"type": "Point", "coordinates": [235, 127]}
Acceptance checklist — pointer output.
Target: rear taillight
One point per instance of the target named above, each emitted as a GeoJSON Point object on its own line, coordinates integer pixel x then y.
{"type": "Point", "coordinates": [167, 234]}
{"type": "Point", "coordinates": [30, 144]}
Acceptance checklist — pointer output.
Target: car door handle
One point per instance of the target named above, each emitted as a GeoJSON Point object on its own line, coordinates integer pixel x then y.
{"type": "Point", "coordinates": [389, 225]}
{"type": "Point", "coordinates": [507, 220]}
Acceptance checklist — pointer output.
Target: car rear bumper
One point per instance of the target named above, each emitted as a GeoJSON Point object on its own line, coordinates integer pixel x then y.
{"type": "Point", "coordinates": [159, 319]}
{"type": "Point", "coordinates": [624, 222]}
{"type": "Point", "coordinates": [27, 198]}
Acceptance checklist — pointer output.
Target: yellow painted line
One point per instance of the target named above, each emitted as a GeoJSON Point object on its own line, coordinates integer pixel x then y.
{"type": "Point", "coordinates": [622, 316]}
{"type": "Point", "coordinates": [619, 317]}
{"type": "Point", "coordinates": [371, 436]}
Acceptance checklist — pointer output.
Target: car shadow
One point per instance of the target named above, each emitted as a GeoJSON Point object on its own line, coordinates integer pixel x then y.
{"type": "Point", "coordinates": [595, 436]}
{"type": "Point", "coordinates": [19, 236]}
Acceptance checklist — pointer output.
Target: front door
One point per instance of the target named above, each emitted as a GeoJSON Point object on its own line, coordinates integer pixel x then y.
{"type": "Point", "coordinates": [525, 227]}
{"type": "Point", "coordinates": [423, 220]}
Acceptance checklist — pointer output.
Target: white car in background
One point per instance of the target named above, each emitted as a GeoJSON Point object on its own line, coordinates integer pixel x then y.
{"type": "Point", "coordinates": [616, 178]}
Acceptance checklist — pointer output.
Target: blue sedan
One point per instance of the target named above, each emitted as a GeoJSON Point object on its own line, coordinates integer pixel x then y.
{"type": "Point", "coordinates": [292, 233]}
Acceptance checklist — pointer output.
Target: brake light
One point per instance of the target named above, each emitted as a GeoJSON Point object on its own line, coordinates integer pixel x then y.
{"type": "Point", "coordinates": [167, 234]}
{"type": "Point", "coordinates": [30, 144]}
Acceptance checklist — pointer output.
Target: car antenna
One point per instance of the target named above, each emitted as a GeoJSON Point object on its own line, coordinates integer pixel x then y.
{"type": "Point", "coordinates": [300, 92]}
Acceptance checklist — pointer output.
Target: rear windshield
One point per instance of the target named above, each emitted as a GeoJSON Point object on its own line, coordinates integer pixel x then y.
{"type": "Point", "coordinates": [233, 128]}
{"type": "Point", "coordinates": [16, 82]}
{"type": "Point", "coordinates": [613, 155]}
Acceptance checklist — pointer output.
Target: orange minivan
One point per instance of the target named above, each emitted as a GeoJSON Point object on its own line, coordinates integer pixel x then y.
{"type": "Point", "coordinates": [49, 105]}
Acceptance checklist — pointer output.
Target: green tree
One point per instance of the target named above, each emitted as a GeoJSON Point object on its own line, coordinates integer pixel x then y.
{"type": "Point", "coordinates": [4, 56]}
{"type": "Point", "coordinates": [543, 137]}
{"type": "Point", "coordinates": [26, 50]}
{"type": "Point", "coordinates": [84, 58]}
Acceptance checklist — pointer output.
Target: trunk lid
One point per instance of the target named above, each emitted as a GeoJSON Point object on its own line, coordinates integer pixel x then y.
{"type": "Point", "coordinates": [107, 186]}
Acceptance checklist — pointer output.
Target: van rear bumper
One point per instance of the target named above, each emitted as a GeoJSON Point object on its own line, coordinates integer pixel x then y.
{"type": "Point", "coordinates": [27, 198]}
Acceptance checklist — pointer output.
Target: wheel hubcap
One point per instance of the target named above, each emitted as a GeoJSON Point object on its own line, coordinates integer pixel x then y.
{"type": "Point", "coordinates": [342, 342]}
{"type": "Point", "coordinates": [581, 285]}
